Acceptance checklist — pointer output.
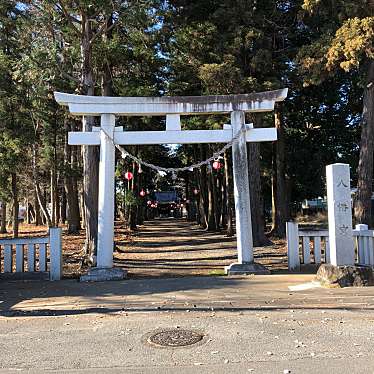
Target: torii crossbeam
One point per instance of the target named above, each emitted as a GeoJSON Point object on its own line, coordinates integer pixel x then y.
{"type": "Point", "coordinates": [107, 136]}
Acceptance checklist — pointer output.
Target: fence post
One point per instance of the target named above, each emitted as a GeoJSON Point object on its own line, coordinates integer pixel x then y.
{"type": "Point", "coordinates": [327, 250]}
{"type": "Point", "coordinates": [8, 258]}
{"type": "Point", "coordinates": [55, 243]}
{"type": "Point", "coordinates": [292, 230]}
{"type": "Point", "coordinates": [361, 244]}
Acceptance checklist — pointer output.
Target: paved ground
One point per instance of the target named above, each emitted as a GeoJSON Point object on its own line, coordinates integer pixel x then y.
{"type": "Point", "coordinates": [253, 324]}
{"type": "Point", "coordinates": [174, 247]}
{"type": "Point", "coordinates": [250, 324]}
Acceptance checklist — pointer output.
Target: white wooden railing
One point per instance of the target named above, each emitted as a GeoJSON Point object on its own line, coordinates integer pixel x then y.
{"type": "Point", "coordinates": [23, 257]}
{"type": "Point", "coordinates": [306, 247]}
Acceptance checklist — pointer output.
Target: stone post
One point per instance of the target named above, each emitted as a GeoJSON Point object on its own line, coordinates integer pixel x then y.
{"type": "Point", "coordinates": [340, 214]}
{"type": "Point", "coordinates": [342, 270]}
{"type": "Point", "coordinates": [55, 242]}
{"type": "Point", "coordinates": [292, 229]}
{"type": "Point", "coordinates": [245, 264]}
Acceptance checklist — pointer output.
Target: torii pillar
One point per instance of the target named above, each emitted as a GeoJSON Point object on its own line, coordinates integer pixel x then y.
{"type": "Point", "coordinates": [107, 136]}
{"type": "Point", "coordinates": [243, 219]}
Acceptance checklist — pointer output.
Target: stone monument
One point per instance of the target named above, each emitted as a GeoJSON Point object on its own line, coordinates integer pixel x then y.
{"type": "Point", "coordinates": [342, 270]}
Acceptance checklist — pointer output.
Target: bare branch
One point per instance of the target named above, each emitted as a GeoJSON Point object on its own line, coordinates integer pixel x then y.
{"type": "Point", "coordinates": [66, 75]}
{"type": "Point", "coordinates": [103, 29]}
{"type": "Point", "coordinates": [72, 20]}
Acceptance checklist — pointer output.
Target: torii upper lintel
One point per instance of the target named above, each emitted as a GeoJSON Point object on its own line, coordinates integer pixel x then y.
{"type": "Point", "coordinates": [158, 106]}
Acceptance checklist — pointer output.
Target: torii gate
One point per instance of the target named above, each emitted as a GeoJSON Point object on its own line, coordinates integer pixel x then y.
{"type": "Point", "coordinates": [107, 135]}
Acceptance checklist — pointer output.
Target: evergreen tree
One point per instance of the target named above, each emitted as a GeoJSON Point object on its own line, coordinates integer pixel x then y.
{"type": "Point", "coordinates": [341, 38]}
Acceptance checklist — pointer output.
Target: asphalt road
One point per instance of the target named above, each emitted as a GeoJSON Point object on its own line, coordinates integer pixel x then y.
{"type": "Point", "coordinates": [296, 341]}
{"type": "Point", "coordinates": [249, 325]}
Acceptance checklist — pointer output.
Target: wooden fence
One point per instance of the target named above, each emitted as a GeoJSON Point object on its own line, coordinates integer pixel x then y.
{"type": "Point", "coordinates": [32, 258]}
{"type": "Point", "coordinates": [312, 246]}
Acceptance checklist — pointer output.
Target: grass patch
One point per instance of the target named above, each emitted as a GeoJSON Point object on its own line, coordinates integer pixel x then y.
{"type": "Point", "coordinates": [219, 272]}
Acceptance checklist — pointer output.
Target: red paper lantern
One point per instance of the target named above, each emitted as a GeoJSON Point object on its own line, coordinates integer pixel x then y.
{"type": "Point", "coordinates": [128, 175]}
{"type": "Point", "coordinates": [142, 193]}
{"type": "Point", "coordinates": [217, 165]}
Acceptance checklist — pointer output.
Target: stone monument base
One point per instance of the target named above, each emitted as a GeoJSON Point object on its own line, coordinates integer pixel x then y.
{"type": "Point", "coordinates": [246, 268]}
{"type": "Point", "coordinates": [103, 274]}
{"type": "Point", "coordinates": [345, 275]}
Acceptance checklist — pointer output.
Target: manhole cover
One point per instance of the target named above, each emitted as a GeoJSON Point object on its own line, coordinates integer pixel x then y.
{"type": "Point", "coordinates": [175, 338]}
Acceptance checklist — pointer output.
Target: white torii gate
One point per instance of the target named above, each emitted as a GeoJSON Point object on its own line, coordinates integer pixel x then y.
{"type": "Point", "coordinates": [107, 135]}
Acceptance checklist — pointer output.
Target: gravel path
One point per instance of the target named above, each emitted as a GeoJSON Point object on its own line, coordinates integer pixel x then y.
{"type": "Point", "coordinates": [175, 247]}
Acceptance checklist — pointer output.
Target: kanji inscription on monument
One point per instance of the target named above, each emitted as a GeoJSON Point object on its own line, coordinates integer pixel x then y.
{"type": "Point", "coordinates": [340, 214]}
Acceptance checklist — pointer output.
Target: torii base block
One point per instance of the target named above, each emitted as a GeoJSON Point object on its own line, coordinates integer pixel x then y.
{"type": "Point", "coordinates": [246, 269]}
{"type": "Point", "coordinates": [104, 274]}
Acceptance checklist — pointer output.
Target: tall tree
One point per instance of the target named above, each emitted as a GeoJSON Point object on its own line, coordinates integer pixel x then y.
{"type": "Point", "coordinates": [14, 120]}
{"type": "Point", "coordinates": [341, 37]}
{"type": "Point", "coordinates": [223, 47]}
{"type": "Point", "coordinates": [80, 34]}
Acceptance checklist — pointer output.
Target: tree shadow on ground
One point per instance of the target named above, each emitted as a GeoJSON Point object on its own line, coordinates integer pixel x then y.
{"type": "Point", "coordinates": [185, 243]}
{"type": "Point", "coordinates": [199, 294]}
{"type": "Point", "coordinates": [208, 309]}
{"type": "Point", "coordinates": [177, 266]}
{"type": "Point", "coordinates": [14, 292]}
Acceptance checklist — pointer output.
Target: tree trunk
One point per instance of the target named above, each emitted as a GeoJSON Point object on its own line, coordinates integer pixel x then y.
{"type": "Point", "coordinates": [15, 205]}
{"type": "Point", "coordinates": [202, 199]}
{"type": "Point", "coordinates": [217, 203]}
{"type": "Point", "coordinates": [38, 217]}
{"type": "Point", "coordinates": [257, 203]}
{"type": "Point", "coordinates": [229, 195]}
{"type": "Point", "coordinates": [38, 193]}
{"type": "Point", "coordinates": [63, 206]}
{"type": "Point", "coordinates": [3, 218]}
{"type": "Point", "coordinates": [107, 83]}
{"type": "Point", "coordinates": [58, 203]}
{"type": "Point", "coordinates": [279, 192]}
{"type": "Point", "coordinates": [43, 205]}
{"type": "Point", "coordinates": [139, 207]}
{"type": "Point", "coordinates": [221, 198]}
{"type": "Point", "coordinates": [211, 203]}
{"type": "Point", "coordinates": [90, 153]}
{"type": "Point", "coordinates": [55, 199]}
{"type": "Point", "coordinates": [362, 210]}
{"type": "Point", "coordinates": [189, 198]}
{"type": "Point", "coordinates": [31, 217]}
{"type": "Point", "coordinates": [54, 196]}
{"type": "Point", "coordinates": [82, 210]}
{"type": "Point", "coordinates": [133, 207]}
{"type": "Point", "coordinates": [71, 188]}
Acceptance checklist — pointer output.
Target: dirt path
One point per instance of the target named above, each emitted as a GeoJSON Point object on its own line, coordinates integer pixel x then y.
{"type": "Point", "coordinates": [175, 247]}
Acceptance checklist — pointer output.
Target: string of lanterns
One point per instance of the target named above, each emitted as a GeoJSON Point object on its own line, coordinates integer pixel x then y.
{"type": "Point", "coordinates": [216, 165]}
{"type": "Point", "coordinates": [215, 158]}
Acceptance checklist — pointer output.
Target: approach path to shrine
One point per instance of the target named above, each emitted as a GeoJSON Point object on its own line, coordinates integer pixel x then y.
{"type": "Point", "coordinates": [174, 247]}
